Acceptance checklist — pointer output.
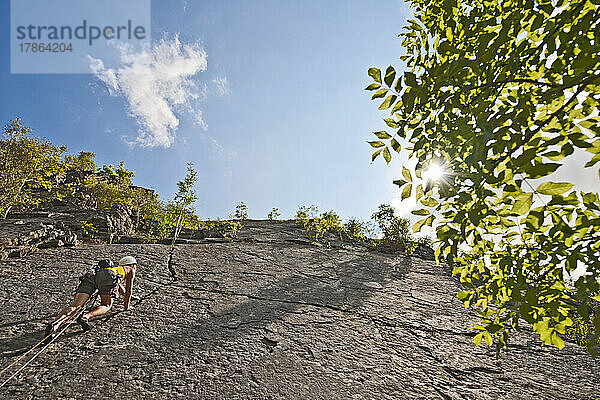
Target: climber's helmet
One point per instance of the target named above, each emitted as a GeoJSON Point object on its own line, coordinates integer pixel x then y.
{"type": "Point", "coordinates": [127, 260]}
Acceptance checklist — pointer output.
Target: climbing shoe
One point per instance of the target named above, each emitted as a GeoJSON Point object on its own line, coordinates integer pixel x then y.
{"type": "Point", "coordinates": [85, 324]}
{"type": "Point", "coordinates": [49, 333]}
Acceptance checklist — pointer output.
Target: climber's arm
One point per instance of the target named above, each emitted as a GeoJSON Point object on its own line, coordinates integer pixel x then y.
{"type": "Point", "coordinates": [128, 289]}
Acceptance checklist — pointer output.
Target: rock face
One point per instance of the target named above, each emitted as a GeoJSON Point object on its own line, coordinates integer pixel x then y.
{"type": "Point", "coordinates": [64, 222]}
{"type": "Point", "coordinates": [21, 234]}
{"type": "Point", "coordinates": [271, 317]}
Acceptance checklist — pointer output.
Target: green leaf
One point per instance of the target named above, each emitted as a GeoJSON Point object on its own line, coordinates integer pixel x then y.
{"type": "Point", "coordinates": [397, 107]}
{"type": "Point", "coordinates": [430, 184]}
{"type": "Point", "coordinates": [555, 155]}
{"type": "Point", "coordinates": [406, 174]}
{"type": "Point", "coordinates": [417, 226]}
{"type": "Point", "coordinates": [552, 188]}
{"type": "Point", "coordinates": [557, 341]}
{"type": "Point", "coordinates": [493, 328]}
{"type": "Point", "coordinates": [398, 86]}
{"type": "Point", "coordinates": [477, 339]}
{"type": "Point", "coordinates": [382, 135]}
{"type": "Point", "coordinates": [488, 338]}
{"type": "Point", "coordinates": [379, 93]}
{"type": "Point", "coordinates": [534, 219]}
{"type": "Point", "coordinates": [593, 161]}
{"type": "Point", "coordinates": [375, 73]}
{"type": "Point", "coordinates": [420, 212]}
{"type": "Point", "coordinates": [390, 74]}
{"type": "Point", "coordinates": [429, 202]}
{"type": "Point", "coordinates": [386, 155]}
{"type": "Point", "coordinates": [388, 102]}
{"type": "Point", "coordinates": [396, 146]}
{"type": "Point", "coordinates": [391, 123]}
{"type": "Point", "coordinates": [419, 193]}
{"type": "Point", "coordinates": [506, 223]}
{"type": "Point", "coordinates": [406, 192]}
{"type": "Point", "coordinates": [462, 295]}
{"type": "Point", "coordinates": [523, 203]}
{"type": "Point", "coordinates": [539, 170]}
{"type": "Point", "coordinates": [376, 143]}
{"type": "Point", "coordinates": [376, 154]}
{"type": "Point", "coordinates": [410, 79]}
{"type": "Point", "coordinates": [449, 34]}
{"type": "Point", "coordinates": [373, 86]}
{"type": "Point", "coordinates": [399, 182]}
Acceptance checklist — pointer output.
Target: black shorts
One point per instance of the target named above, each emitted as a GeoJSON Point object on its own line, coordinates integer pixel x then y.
{"type": "Point", "coordinates": [106, 281]}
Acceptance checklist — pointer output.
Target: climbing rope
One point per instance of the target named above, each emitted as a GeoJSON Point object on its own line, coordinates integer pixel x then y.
{"type": "Point", "coordinates": [67, 323]}
{"type": "Point", "coordinates": [170, 264]}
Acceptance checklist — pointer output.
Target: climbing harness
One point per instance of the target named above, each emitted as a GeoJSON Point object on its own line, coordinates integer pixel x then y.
{"type": "Point", "coordinates": [107, 264]}
{"type": "Point", "coordinates": [92, 271]}
{"type": "Point", "coordinates": [69, 321]}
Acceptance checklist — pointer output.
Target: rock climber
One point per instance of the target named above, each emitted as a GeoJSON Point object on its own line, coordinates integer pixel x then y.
{"type": "Point", "coordinates": [108, 279]}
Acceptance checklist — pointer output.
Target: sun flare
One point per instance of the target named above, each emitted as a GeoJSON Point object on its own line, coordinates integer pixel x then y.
{"type": "Point", "coordinates": [435, 172]}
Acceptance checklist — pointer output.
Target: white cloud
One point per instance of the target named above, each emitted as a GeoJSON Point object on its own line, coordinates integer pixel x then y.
{"type": "Point", "coordinates": [198, 119]}
{"type": "Point", "coordinates": [221, 85]}
{"type": "Point", "coordinates": [156, 82]}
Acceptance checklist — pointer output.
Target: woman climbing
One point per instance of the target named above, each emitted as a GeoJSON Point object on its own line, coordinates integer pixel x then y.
{"type": "Point", "coordinates": [108, 280]}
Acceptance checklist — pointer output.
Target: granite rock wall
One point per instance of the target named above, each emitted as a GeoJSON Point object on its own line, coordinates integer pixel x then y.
{"type": "Point", "coordinates": [271, 316]}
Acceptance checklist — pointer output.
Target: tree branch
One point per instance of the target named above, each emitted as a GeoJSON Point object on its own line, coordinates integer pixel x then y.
{"type": "Point", "coordinates": [515, 80]}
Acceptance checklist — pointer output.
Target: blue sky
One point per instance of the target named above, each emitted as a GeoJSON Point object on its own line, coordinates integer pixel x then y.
{"type": "Point", "coordinates": [280, 119]}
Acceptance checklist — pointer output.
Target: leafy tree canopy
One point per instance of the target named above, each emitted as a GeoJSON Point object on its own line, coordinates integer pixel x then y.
{"type": "Point", "coordinates": [82, 162]}
{"type": "Point", "coordinates": [499, 94]}
{"type": "Point", "coordinates": [27, 163]}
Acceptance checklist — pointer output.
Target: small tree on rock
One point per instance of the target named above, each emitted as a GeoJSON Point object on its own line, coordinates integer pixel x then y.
{"type": "Point", "coordinates": [185, 198]}
{"type": "Point", "coordinates": [274, 214]}
{"type": "Point", "coordinates": [241, 211]}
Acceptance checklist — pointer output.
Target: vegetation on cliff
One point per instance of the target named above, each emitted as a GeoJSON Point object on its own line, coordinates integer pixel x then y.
{"type": "Point", "coordinates": [29, 168]}
{"type": "Point", "coordinates": [35, 173]}
{"type": "Point", "coordinates": [385, 230]}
